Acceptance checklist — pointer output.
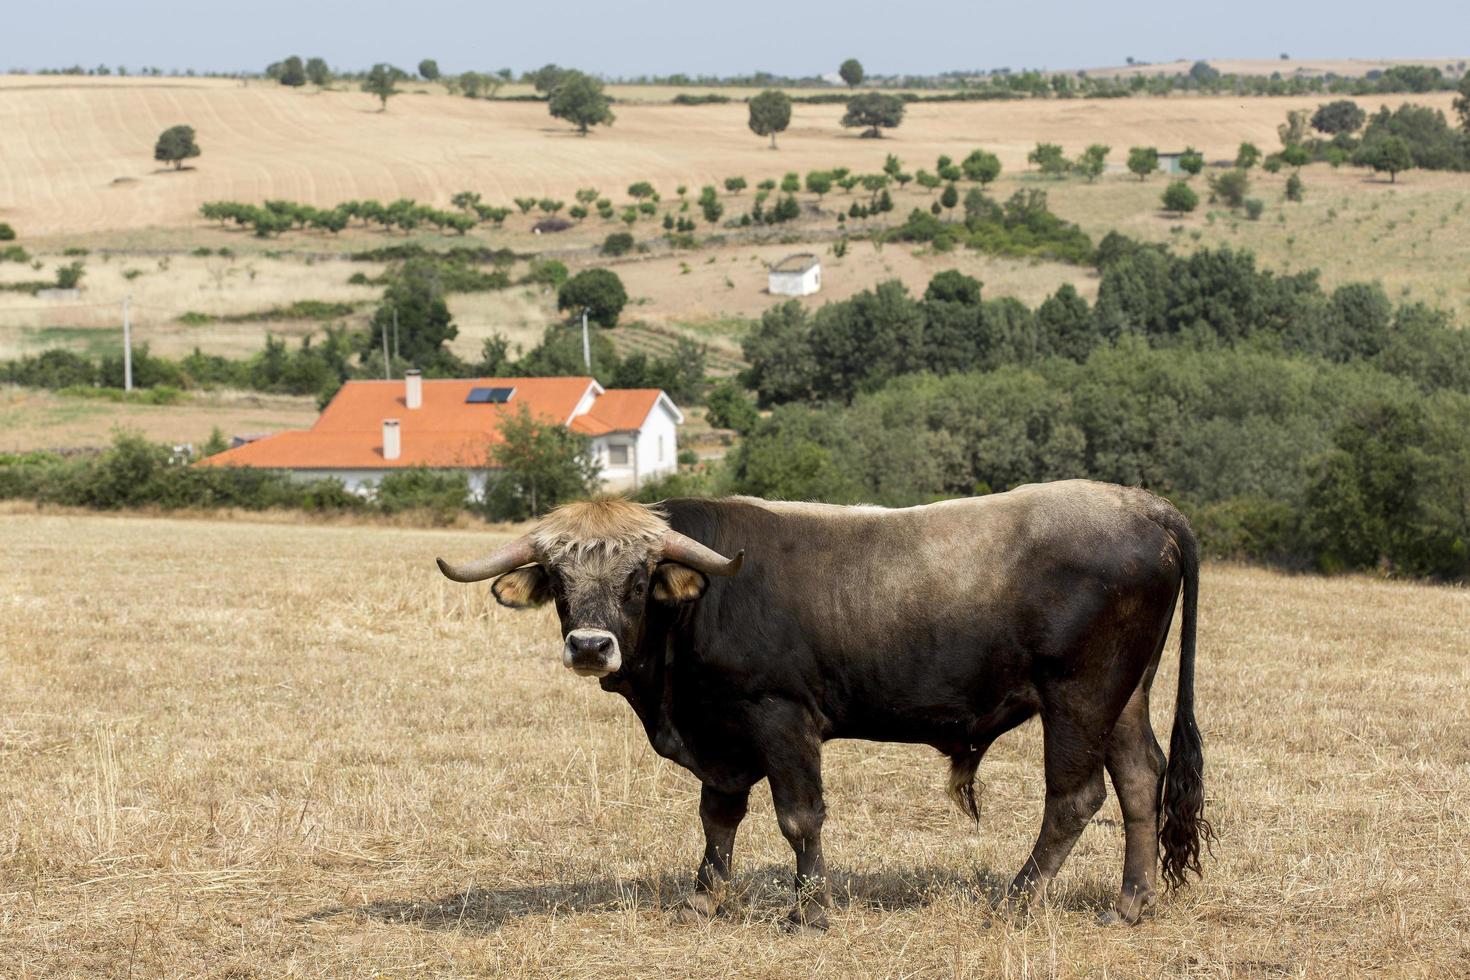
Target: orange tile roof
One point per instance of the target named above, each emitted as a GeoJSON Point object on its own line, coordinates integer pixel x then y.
{"type": "Point", "coordinates": [444, 432]}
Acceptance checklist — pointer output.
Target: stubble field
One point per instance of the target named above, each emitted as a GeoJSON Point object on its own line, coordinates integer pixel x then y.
{"type": "Point", "coordinates": [243, 748]}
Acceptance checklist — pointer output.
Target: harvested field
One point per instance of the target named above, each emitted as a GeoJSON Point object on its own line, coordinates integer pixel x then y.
{"type": "Point", "coordinates": [295, 750]}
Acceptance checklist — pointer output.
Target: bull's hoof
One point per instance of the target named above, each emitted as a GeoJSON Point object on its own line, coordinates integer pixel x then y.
{"type": "Point", "coordinates": [1128, 911]}
{"type": "Point", "coordinates": [809, 923]}
{"type": "Point", "coordinates": [697, 908]}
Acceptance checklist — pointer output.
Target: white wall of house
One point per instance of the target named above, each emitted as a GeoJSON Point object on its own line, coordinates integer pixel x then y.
{"type": "Point", "coordinates": [631, 459]}
{"type": "Point", "coordinates": [795, 283]}
{"type": "Point", "coordinates": [364, 482]}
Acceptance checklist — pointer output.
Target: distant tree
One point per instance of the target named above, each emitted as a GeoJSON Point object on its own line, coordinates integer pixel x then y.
{"type": "Point", "coordinates": [819, 182]}
{"type": "Point", "coordinates": [1203, 73]}
{"type": "Point", "coordinates": [1296, 156]}
{"type": "Point", "coordinates": [544, 79]}
{"type": "Point", "coordinates": [1093, 161]}
{"type": "Point", "coordinates": [1462, 102]}
{"type": "Point", "coordinates": [770, 113]}
{"type": "Point", "coordinates": [1191, 161]}
{"type": "Point", "coordinates": [175, 145]}
{"type": "Point", "coordinates": [471, 84]}
{"type": "Point", "coordinates": [729, 408]}
{"type": "Point", "coordinates": [1230, 187]}
{"type": "Point", "coordinates": [424, 325]}
{"type": "Point", "coordinates": [641, 190]}
{"type": "Point", "coordinates": [1143, 160]}
{"type": "Point", "coordinates": [735, 185]}
{"type": "Point", "coordinates": [1247, 156]}
{"type": "Point", "coordinates": [318, 73]}
{"type": "Point", "coordinates": [429, 70]}
{"type": "Point", "coordinates": [7, 233]}
{"type": "Point", "coordinates": [873, 112]}
{"type": "Point", "coordinates": [1295, 190]}
{"type": "Point", "coordinates": [1048, 159]}
{"type": "Point", "coordinates": [1342, 116]}
{"type": "Point", "coordinates": [790, 183]}
{"type": "Point", "coordinates": [538, 466]}
{"type": "Point", "coordinates": [599, 291]}
{"type": "Point", "coordinates": [1180, 198]}
{"type": "Point", "coordinates": [293, 73]}
{"type": "Point", "coordinates": [949, 197]}
{"type": "Point", "coordinates": [581, 101]}
{"type": "Point", "coordinates": [851, 71]}
{"type": "Point", "coordinates": [979, 166]}
{"type": "Point", "coordinates": [382, 82]}
{"type": "Point", "coordinates": [1387, 153]}
{"type": "Point", "coordinates": [1294, 130]}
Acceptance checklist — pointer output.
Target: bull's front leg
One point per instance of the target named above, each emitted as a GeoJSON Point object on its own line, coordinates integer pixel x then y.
{"type": "Point", "coordinates": [720, 813]}
{"type": "Point", "coordinates": [796, 791]}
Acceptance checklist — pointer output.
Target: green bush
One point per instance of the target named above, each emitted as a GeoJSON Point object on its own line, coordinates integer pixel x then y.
{"type": "Point", "coordinates": [598, 291]}
{"type": "Point", "coordinates": [617, 243]}
{"type": "Point", "coordinates": [7, 233]}
{"type": "Point", "coordinates": [442, 493]}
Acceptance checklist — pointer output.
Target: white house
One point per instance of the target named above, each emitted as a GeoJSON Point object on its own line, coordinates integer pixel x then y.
{"type": "Point", "coordinates": [375, 427]}
{"type": "Point", "coordinates": [795, 275]}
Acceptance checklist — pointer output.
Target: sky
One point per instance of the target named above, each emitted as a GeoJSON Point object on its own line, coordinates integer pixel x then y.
{"type": "Point", "coordinates": [635, 37]}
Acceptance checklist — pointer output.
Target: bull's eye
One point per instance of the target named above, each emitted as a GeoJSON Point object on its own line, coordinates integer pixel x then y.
{"type": "Point", "coordinates": [635, 589]}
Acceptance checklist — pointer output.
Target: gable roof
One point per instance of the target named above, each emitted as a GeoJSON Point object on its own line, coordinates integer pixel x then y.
{"type": "Point", "coordinates": [446, 431]}
{"type": "Point", "coordinates": [800, 262]}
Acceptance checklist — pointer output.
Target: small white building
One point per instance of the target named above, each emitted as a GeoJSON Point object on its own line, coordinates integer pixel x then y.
{"type": "Point", "coordinates": [795, 275]}
{"type": "Point", "coordinates": [371, 428]}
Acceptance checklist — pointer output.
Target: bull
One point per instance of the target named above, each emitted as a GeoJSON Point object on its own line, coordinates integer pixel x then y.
{"type": "Point", "coordinates": [746, 633]}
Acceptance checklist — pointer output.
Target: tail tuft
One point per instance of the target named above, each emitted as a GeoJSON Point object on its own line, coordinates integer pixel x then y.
{"type": "Point", "coordinates": [961, 788]}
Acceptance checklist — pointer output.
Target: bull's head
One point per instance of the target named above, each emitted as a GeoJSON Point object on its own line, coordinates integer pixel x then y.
{"type": "Point", "coordinates": [603, 562]}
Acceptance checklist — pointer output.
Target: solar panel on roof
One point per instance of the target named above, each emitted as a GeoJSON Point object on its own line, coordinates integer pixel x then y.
{"type": "Point", "coordinates": [489, 396]}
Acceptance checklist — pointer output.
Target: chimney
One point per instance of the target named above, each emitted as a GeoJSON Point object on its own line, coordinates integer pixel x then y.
{"type": "Point", "coordinates": [391, 445]}
{"type": "Point", "coordinates": [413, 388]}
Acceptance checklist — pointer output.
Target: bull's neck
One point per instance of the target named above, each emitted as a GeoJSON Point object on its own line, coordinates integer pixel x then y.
{"type": "Point", "coordinates": [650, 692]}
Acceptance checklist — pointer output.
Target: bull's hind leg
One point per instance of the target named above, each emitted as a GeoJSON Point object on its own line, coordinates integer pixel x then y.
{"type": "Point", "coordinates": [720, 813]}
{"type": "Point", "coordinates": [1136, 764]}
{"type": "Point", "coordinates": [1074, 792]}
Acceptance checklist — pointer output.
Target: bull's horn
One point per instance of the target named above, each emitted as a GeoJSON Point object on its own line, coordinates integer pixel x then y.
{"type": "Point", "coordinates": [686, 551]}
{"type": "Point", "coordinates": [519, 552]}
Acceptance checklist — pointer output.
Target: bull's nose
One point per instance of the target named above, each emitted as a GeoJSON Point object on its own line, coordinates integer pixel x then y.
{"type": "Point", "coordinates": [589, 646]}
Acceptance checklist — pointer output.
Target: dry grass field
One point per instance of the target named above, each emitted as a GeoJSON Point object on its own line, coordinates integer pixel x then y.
{"type": "Point", "coordinates": [245, 749]}
{"type": "Point", "coordinates": [262, 141]}
{"type": "Point", "coordinates": [32, 418]}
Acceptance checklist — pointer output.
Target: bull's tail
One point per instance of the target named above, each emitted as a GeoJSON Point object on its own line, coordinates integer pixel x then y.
{"type": "Point", "coordinates": [961, 788]}
{"type": "Point", "coordinates": [1183, 828]}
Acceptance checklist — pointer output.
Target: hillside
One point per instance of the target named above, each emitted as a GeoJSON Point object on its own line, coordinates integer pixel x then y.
{"type": "Point", "coordinates": [84, 164]}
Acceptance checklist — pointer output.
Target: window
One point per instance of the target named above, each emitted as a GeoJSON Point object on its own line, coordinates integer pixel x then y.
{"type": "Point", "coordinates": [617, 454]}
{"type": "Point", "coordinates": [661, 456]}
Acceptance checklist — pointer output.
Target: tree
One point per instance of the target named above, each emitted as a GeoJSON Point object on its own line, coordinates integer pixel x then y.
{"type": "Point", "coordinates": [819, 182]}
{"type": "Point", "coordinates": [318, 73]}
{"type": "Point", "coordinates": [1294, 130]}
{"type": "Point", "coordinates": [1191, 161]}
{"type": "Point", "coordinates": [1093, 161]}
{"type": "Point", "coordinates": [293, 73]}
{"type": "Point", "coordinates": [770, 113]}
{"type": "Point", "coordinates": [641, 190]}
{"type": "Point", "coordinates": [544, 79]}
{"type": "Point", "coordinates": [581, 101]}
{"type": "Point", "coordinates": [729, 408]}
{"type": "Point", "coordinates": [735, 185]}
{"type": "Point", "coordinates": [1143, 160]}
{"type": "Point", "coordinates": [598, 291]}
{"type": "Point", "coordinates": [1387, 153]}
{"type": "Point", "coordinates": [1462, 102]}
{"type": "Point", "coordinates": [873, 112]}
{"type": "Point", "coordinates": [1296, 156]}
{"type": "Point", "coordinates": [429, 70]}
{"type": "Point", "coordinates": [949, 197]}
{"type": "Point", "coordinates": [1295, 190]}
{"type": "Point", "coordinates": [542, 465]}
{"type": "Point", "coordinates": [175, 145]}
{"type": "Point", "coordinates": [1342, 116]}
{"type": "Point", "coordinates": [1247, 156]}
{"type": "Point", "coordinates": [978, 166]}
{"type": "Point", "coordinates": [422, 325]}
{"type": "Point", "coordinates": [1048, 159]}
{"type": "Point", "coordinates": [1180, 198]}
{"type": "Point", "coordinates": [851, 71]}
{"type": "Point", "coordinates": [382, 82]}
{"type": "Point", "coordinates": [1231, 187]}
{"type": "Point", "coordinates": [790, 183]}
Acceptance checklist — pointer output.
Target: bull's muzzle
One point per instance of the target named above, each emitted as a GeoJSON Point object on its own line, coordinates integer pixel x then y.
{"type": "Point", "coordinates": [591, 653]}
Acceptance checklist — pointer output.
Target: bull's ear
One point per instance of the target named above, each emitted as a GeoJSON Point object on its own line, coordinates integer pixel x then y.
{"type": "Point", "coordinates": [674, 583]}
{"type": "Point", "coordinates": [523, 588]}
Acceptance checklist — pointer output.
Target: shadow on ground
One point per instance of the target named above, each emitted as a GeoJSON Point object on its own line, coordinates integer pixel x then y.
{"type": "Point", "coordinates": [761, 895]}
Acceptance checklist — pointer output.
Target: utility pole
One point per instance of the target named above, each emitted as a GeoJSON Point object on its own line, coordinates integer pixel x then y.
{"type": "Point", "coordinates": [586, 344]}
{"type": "Point", "coordinates": [387, 364]}
{"type": "Point", "coordinates": [127, 346]}
{"type": "Point", "coordinates": [395, 332]}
